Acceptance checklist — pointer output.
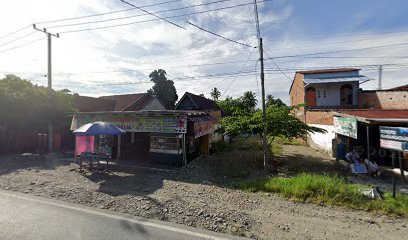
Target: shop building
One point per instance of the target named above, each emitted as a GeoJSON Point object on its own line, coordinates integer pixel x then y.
{"type": "Point", "coordinates": [154, 136]}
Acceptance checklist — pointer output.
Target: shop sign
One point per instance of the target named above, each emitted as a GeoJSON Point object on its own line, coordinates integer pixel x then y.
{"type": "Point", "coordinates": [345, 126]}
{"type": "Point", "coordinates": [394, 138]}
{"type": "Point", "coordinates": [129, 123]}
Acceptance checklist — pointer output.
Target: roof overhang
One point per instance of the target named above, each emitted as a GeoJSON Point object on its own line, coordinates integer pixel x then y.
{"type": "Point", "coordinates": [359, 78]}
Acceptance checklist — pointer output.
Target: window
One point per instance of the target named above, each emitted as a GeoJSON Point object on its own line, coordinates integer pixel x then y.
{"type": "Point", "coordinates": [346, 95]}
{"type": "Point", "coordinates": [168, 143]}
{"type": "Point", "coordinates": [324, 93]}
{"type": "Point", "coordinates": [318, 93]}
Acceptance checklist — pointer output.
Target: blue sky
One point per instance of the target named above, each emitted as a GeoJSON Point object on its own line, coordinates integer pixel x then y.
{"type": "Point", "coordinates": [104, 61]}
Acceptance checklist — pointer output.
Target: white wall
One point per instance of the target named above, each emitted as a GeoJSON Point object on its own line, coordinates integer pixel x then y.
{"type": "Point", "coordinates": [332, 97]}
{"type": "Point", "coordinates": [322, 141]}
{"type": "Point", "coordinates": [333, 74]}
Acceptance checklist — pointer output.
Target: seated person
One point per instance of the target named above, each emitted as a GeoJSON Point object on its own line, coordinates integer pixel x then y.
{"type": "Point", "coordinates": [353, 156]}
{"type": "Point", "coordinates": [372, 167]}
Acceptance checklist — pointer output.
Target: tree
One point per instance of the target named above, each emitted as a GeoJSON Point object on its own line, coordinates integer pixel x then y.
{"type": "Point", "coordinates": [249, 101]}
{"type": "Point", "coordinates": [163, 88]}
{"type": "Point", "coordinates": [270, 100]}
{"type": "Point", "coordinates": [279, 122]}
{"type": "Point", "coordinates": [215, 94]}
{"type": "Point", "coordinates": [30, 107]}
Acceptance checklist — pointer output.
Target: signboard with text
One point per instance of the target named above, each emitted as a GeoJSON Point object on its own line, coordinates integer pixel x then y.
{"type": "Point", "coordinates": [135, 123]}
{"type": "Point", "coordinates": [394, 138]}
{"type": "Point", "coordinates": [345, 126]}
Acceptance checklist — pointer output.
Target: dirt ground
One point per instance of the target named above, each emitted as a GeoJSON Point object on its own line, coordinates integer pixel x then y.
{"type": "Point", "coordinates": [197, 197]}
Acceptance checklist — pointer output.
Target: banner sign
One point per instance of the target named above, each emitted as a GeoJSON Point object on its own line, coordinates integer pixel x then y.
{"type": "Point", "coordinates": [394, 138]}
{"type": "Point", "coordinates": [135, 123]}
{"type": "Point", "coordinates": [345, 126]}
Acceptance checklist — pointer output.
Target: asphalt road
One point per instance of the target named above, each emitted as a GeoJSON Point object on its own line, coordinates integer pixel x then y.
{"type": "Point", "coordinates": [30, 218]}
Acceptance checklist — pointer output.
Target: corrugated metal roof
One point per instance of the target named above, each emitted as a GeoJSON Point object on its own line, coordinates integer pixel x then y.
{"type": "Point", "coordinates": [336, 79]}
{"type": "Point", "coordinates": [329, 70]}
{"type": "Point", "coordinates": [373, 114]}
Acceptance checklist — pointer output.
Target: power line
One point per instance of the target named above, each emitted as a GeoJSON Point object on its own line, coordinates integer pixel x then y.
{"type": "Point", "coordinates": [215, 34]}
{"type": "Point", "coordinates": [240, 71]}
{"type": "Point", "coordinates": [22, 45]}
{"type": "Point", "coordinates": [152, 20]}
{"type": "Point", "coordinates": [154, 15]}
{"type": "Point", "coordinates": [338, 51]}
{"type": "Point", "coordinates": [106, 13]}
{"type": "Point", "coordinates": [137, 15]}
{"type": "Point", "coordinates": [18, 38]}
{"type": "Point", "coordinates": [14, 32]}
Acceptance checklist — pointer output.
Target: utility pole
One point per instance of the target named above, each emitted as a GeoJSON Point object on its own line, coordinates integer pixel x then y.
{"type": "Point", "coordinates": [261, 59]}
{"type": "Point", "coordinates": [264, 138]}
{"type": "Point", "coordinates": [380, 77]}
{"type": "Point", "coordinates": [49, 76]}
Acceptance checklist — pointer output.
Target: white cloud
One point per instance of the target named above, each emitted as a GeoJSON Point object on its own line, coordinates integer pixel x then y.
{"type": "Point", "coordinates": [86, 60]}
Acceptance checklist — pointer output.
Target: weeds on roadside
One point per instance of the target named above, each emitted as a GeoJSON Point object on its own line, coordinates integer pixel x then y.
{"type": "Point", "coordinates": [330, 190]}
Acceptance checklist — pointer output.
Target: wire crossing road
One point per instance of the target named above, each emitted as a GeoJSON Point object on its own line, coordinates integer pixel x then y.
{"type": "Point", "coordinates": [34, 218]}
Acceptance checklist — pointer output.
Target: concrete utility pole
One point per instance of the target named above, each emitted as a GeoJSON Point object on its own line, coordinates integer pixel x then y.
{"type": "Point", "coordinates": [49, 76]}
{"type": "Point", "coordinates": [264, 138]}
{"type": "Point", "coordinates": [380, 77]}
{"type": "Point", "coordinates": [261, 59]}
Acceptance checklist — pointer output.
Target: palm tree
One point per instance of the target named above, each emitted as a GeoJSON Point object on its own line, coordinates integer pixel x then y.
{"type": "Point", "coordinates": [215, 94]}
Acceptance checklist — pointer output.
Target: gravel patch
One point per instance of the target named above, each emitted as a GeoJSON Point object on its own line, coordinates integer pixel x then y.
{"type": "Point", "coordinates": [193, 196]}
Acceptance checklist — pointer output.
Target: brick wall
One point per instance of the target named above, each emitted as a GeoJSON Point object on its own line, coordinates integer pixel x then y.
{"type": "Point", "coordinates": [323, 117]}
{"type": "Point", "coordinates": [297, 95]}
{"type": "Point", "coordinates": [383, 99]}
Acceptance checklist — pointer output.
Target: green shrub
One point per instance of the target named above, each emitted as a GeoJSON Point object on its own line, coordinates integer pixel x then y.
{"type": "Point", "coordinates": [218, 146]}
{"type": "Point", "coordinates": [328, 190]}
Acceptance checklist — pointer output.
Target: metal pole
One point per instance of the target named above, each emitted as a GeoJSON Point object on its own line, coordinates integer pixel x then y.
{"type": "Point", "coordinates": [380, 77]}
{"type": "Point", "coordinates": [401, 165]}
{"type": "Point", "coordinates": [368, 142]}
{"type": "Point", "coordinates": [394, 182]}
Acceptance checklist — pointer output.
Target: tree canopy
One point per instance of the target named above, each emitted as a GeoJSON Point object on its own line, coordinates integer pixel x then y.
{"type": "Point", "coordinates": [163, 88]}
{"type": "Point", "coordinates": [239, 106]}
{"type": "Point", "coordinates": [24, 105]}
{"type": "Point", "coordinates": [215, 94]}
{"type": "Point", "coordinates": [271, 100]}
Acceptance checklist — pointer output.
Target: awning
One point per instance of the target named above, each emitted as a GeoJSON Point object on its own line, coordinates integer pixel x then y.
{"type": "Point", "coordinates": [359, 78]}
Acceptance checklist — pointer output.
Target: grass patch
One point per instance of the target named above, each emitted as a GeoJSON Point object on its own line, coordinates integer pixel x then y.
{"type": "Point", "coordinates": [330, 190]}
{"type": "Point", "coordinates": [276, 149]}
{"type": "Point", "coordinates": [286, 141]}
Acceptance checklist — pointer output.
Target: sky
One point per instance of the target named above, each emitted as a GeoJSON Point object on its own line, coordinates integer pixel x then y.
{"type": "Point", "coordinates": [114, 53]}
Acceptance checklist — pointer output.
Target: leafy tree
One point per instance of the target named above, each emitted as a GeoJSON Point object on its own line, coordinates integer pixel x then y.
{"type": "Point", "coordinates": [249, 101]}
{"type": "Point", "coordinates": [163, 88]}
{"type": "Point", "coordinates": [215, 94]}
{"type": "Point", "coordinates": [30, 107]}
{"type": "Point", "coordinates": [279, 122]}
{"type": "Point", "coordinates": [270, 100]}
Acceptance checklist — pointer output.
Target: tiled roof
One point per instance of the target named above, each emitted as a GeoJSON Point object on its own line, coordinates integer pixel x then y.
{"type": "Point", "coordinates": [329, 70]}
{"type": "Point", "coordinates": [91, 104]}
{"type": "Point", "coordinates": [124, 101]}
{"type": "Point", "coordinates": [377, 113]}
{"type": "Point", "coordinates": [201, 103]}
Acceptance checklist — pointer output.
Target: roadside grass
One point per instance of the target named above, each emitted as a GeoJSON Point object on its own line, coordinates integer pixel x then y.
{"type": "Point", "coordinates": [331, 190]}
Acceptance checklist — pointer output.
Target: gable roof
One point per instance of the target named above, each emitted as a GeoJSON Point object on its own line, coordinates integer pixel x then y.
{"type": "Point", "coordinates": [333, 70]}
{"type": "Point", "coordinates": [201, 103]}
{"type": "Point", "coordinates": [124, 101]}
{"type": "Point", "coordinates": [91, 104]}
